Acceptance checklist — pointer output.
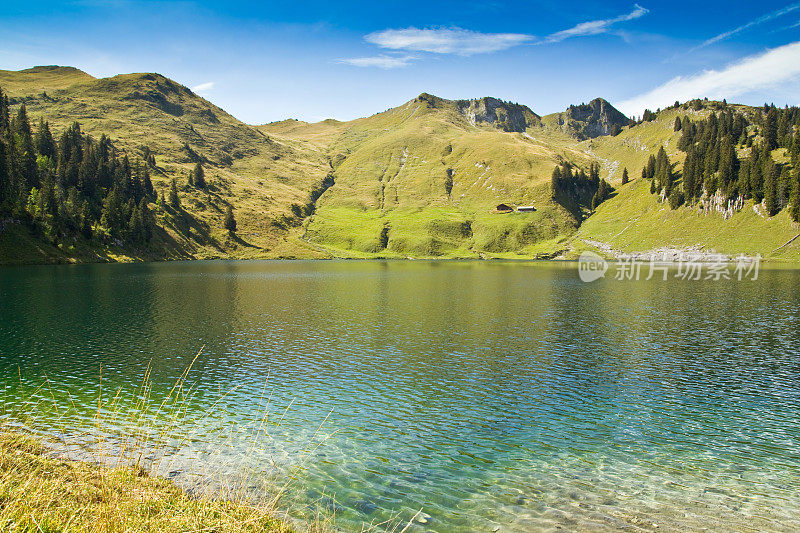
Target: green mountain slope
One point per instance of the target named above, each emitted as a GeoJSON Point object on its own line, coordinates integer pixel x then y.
{"type": "Point", "coordinates": [34, 81]}
{"type": "Point", "coordinates": [635, 221]}
{"type": "Point", "coordinates": [424, 179]}
{"type": "Point", "coordinates": [259, 176]}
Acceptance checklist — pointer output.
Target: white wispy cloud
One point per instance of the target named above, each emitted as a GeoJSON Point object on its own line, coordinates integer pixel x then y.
{"type": "Point", "coordinates": [463, 42]}
{"type": "Point", "coordinates": [596, 27]}
{"type": "Point", "coordinates": [792, 26]}
{"type": "Point", "coordinates": [381, 61]}
{"type": "Point", "coordinates": [766, 71]}
{"type": "Point", "coordinates": [207, 86]}
{"type": "Point", "coordinates": [756, 22]}
{"type": "Point", "coordinates": [446, 40]}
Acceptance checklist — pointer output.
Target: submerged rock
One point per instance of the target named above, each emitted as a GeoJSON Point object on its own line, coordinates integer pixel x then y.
{"type": "Point", "coordinates": [365, 506]}
{"type": "Point", "coordinates": [424, 518]}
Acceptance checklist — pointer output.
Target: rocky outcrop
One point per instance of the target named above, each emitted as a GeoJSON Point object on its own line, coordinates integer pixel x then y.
{"type": "Point", "coordinates": [502, 115]}
{"type": "Point", "coordinates": [494, 112]}
{"type": "Point", "coordinates": [587, 121]}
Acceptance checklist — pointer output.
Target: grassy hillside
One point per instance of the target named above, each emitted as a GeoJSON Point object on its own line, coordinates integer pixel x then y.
{"type": "Point", "coordinates": [259, 176]}
{"type": "Point", "coordinates": [634, 220]}
{"type": "Point", "coordinates": [34, 81]}
{"type": "Point", "coordinates": [419, 180]}
{"type": "Point", "coordinates": [423, 179]}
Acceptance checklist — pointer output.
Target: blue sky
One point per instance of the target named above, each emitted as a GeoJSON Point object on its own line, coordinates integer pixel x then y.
{"type": "Point", "coordinates": [265, 61]}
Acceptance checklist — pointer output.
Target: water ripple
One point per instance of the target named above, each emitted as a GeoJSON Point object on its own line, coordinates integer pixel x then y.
{"type": "Point", "coordinates": [491, 395]}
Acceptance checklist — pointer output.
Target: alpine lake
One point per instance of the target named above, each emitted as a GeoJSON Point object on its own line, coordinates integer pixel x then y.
{"type": "Point", "coordinates": [454, 395]}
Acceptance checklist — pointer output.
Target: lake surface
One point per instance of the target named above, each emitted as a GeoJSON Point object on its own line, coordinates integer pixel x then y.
{"type": "Point", "coordinates": [503, 396]}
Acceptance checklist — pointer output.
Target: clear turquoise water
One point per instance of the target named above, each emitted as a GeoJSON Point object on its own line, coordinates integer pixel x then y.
{"type": "Point", "coordinates": [488, 394]}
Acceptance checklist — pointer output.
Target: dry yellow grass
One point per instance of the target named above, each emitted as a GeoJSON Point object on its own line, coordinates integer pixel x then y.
{"type": "Point", "coordinates": [39, 492]}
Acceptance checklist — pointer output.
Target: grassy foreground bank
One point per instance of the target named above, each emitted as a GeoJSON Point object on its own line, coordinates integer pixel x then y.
{"type": "Point", "coordinates": [41, 493]}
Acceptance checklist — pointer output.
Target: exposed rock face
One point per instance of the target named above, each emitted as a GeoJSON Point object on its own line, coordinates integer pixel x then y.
{"type": "Point", "coordinates": [502, 115]}
{"type": "Point", "coordinates": [492, 111]}
{"type": "Point", "coordinates": [594, 119]}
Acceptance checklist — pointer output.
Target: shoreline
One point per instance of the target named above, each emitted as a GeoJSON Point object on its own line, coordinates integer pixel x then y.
{"type": "Point", "coordinates": [564, 249]}
{"type": "Point", "coordinates": [674, 256]}
{"type": "Point", "coordinates": [44, 492]}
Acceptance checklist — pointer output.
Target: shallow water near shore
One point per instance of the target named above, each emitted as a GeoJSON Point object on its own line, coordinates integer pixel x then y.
{"type": "Point", "coordinates": [491, 395]}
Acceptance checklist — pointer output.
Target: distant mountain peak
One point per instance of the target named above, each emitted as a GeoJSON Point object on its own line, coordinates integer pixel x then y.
{"type": "Point", "coordinates": [586, 121]}
{"type": "Point", "coordinates": [495, 112]}
{"type": "Point", "coordinates": [430, 100]}
{"type": "Point", "coordinates": [55, 69]}
{"type": "Point", "coordinates": [503, 115]}
{"type": "Point", "coordinates": [20, 84]}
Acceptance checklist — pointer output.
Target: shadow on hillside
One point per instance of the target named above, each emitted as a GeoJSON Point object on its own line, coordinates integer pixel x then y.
{"type": "Point", "coordinates": [171, 247]}
{"type": "Point", "coordinates": [191, 229]}
{"type": "Point", "coordinates": [238, 240]}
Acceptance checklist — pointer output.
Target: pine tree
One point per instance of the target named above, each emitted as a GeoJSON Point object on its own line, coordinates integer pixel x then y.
{"type": "Point", "coordinates": [594, 172]}
{"type": "Point", "coordinates": [566, 172]}
{"type": "Point", "coordinates": [794, 199]}
{"type": "Point", "coordinates": [230, 221]}
{"type": "Point", "coordinates": [4, 112]}
{"type": "Point", "coordinates": [26, 151]}
{"type": "Point", "coordinates": [710, 165]}
{"type": "Point", "coordinates": [625, 178]}
{"type": "Point", "coordinates": [676, 198]}
{"type": "Point", "coordinates": [199, 176]}
{"type": "Point", "coordinates": [112, 217]}
{"type": "Point", "coordinates": [32, 203]}
{"type": "Point", "coordinates": [651, 167]}
{"type": "Point", "coordinates": [135, 229]}
{"type": "Point", "coordinates": [147, 184]}
{"type": "Point", "coordinates": [756, 175]}
{"type": "Point", "coordinates": [771, 188]}
{"type": "Point", "coordinates": [137, 191]}
{"type": "Point", "coordinates": [147, 221]}
{"type": "Point", "coordinates": [448, 182]}
{"type": "Point", "coordinates": [48, 206]}
{"type": "Point", "coordinates": [771, 129]}
{"type": "Point", "coordinates": [743, 181]}
{"type": "Point", "coordinates": [663, 171]}
{"type": "Point", "coordinates": [86, 220]}
{"type": "Point", "coordinates": [5, 178]}
{"type": "Point", "coordinates": [602, 194]}
{"type": "Point", "coordinates": [686, 126]}
{"type": "Point", "coordinates": [555, 182]}
{"type": "Point", "coordinates": [689, 175]}
{"type": "Point", "coordinates": [20, 124]}
{"type": "Point", "coordinates": [727, 163]}
{"type": "Point", "coordinates": [174, 199]}
{"type": "Point", "coordinates": [784, 129]}
{"type": "Point", "coordinates": [77, 182]}
{"type": "Point", "coordinates": [44, 141]}
{"type": "Point", "coordinates": [678, 124]}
